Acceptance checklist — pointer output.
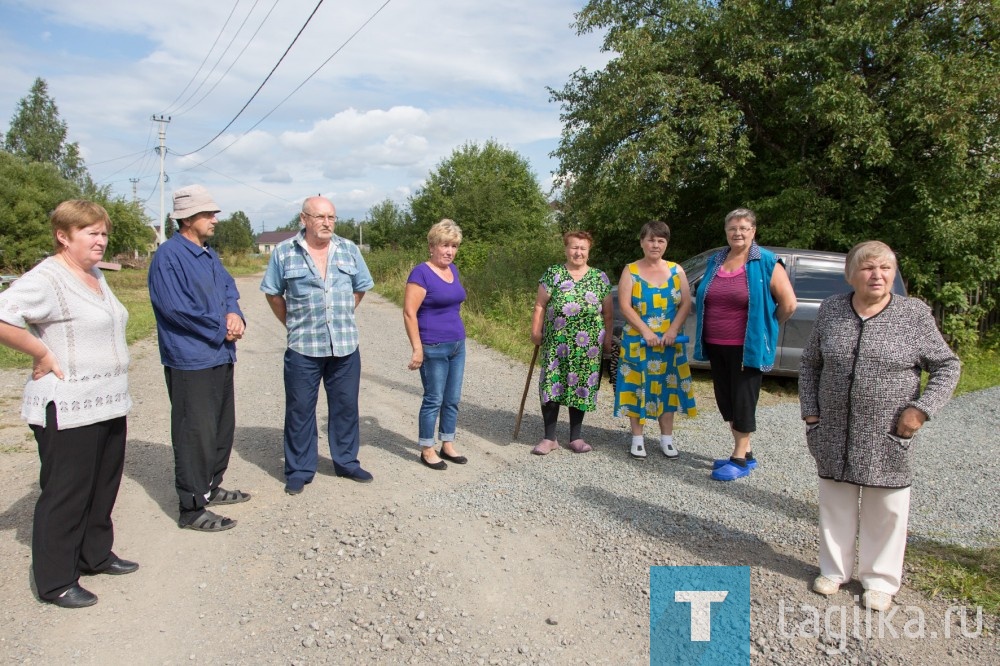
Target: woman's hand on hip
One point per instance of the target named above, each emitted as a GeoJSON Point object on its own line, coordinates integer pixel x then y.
{"type": "Point", "coordinates": [416, 360]}
{"type": "Point", "coordinates": [45, 365]}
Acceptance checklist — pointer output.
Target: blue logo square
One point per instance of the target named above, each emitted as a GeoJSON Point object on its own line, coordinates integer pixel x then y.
{"type": "Point", "coordinates": [699, 615]}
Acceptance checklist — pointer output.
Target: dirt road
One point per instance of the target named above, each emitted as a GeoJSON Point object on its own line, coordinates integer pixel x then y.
{"type": "Point", "coordinates": [510, 559]}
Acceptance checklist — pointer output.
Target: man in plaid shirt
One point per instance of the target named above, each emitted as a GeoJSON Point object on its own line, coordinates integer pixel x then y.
{"type": "Point", "coordinates": [314, 282]}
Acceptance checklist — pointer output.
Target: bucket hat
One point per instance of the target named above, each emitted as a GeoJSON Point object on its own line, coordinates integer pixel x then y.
{"type": "Point", "coordinates": [192, 200]}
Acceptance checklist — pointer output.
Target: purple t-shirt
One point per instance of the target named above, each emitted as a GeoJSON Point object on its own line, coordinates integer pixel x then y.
{"type": "Point", "coordinates": [438, 317]}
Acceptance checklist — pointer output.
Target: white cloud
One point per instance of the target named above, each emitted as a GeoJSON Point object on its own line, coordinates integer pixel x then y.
{"type": "Point", "coordinates": [420, 80]}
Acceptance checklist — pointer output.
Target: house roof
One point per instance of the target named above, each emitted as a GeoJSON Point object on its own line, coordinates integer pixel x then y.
{"type": "Point", "coordinates": [274, 236]}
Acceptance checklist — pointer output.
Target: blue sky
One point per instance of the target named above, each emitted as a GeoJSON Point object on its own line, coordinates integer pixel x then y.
{"type": "Point", "coordinates": [419, 80]}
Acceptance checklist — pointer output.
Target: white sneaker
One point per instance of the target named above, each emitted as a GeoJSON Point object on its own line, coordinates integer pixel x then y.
{"type": "Point", "coordinates": [669, 450]}
{"type": "Point", "coordinates": [825, 586]}
{"type": "Point", "coordinates": [638, 450]}
{"type": "Point", "coordinates": [879, 601]}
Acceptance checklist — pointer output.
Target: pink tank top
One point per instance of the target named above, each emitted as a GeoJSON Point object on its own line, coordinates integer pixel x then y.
{"type": "Point", "coordinates": [727, 304]}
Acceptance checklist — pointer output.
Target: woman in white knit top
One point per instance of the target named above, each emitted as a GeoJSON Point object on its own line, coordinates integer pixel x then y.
{"type": "Point", "coordinates": [63, 315]}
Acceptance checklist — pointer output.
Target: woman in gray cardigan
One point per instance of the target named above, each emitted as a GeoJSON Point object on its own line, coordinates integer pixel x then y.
{"type": "Point", "coordinates": [859, 389]}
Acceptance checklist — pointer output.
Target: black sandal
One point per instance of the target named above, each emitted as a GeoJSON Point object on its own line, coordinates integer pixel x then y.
{"type": "Point", "coordinates": [209, 522]}
{"type": "Point", "coordinates": [223, 496]}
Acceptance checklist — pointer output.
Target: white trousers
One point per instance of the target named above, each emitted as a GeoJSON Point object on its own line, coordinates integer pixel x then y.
{"type": "Point", "coordinates": [880, 529]}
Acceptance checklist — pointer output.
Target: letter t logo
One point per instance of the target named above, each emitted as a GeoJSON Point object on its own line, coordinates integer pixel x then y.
{"type": "Point", "coordinates": [701, 610]}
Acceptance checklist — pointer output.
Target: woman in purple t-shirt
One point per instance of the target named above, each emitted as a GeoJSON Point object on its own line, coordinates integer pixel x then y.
{"type": "Point", "coordinates": [431, 312]}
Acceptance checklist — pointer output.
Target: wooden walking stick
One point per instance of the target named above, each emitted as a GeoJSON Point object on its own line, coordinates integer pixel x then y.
{"type": "Point", "coordinates": [524, 396]}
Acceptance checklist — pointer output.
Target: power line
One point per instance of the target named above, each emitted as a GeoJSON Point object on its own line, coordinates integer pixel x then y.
{"type": "Point", "coordinates": [240, 182]}
{"type": "Point", "coordinates": [141, 157]}
{"type": "Point", "coordinates": [198, 71]}
{"type": "Point", "coordinates": [221, 56]}
{"type": "Point", "coordinates": [115, 159]}
{"type": "Point", "coordinates": [240, 112]}
{"type": "Point", "coordinates": [287, 97]}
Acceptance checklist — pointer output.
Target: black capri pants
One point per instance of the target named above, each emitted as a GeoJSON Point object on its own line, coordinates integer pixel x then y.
{"type": "Point", "coordinates": [737, 389]}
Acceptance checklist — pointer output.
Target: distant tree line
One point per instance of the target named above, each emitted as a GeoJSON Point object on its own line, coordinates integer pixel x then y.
{"type": "Point", "coordinates": [38, 170]}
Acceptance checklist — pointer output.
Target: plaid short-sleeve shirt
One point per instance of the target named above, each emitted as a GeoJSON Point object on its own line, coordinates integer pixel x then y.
{"type": "Point", "coordinates": [319, 313]}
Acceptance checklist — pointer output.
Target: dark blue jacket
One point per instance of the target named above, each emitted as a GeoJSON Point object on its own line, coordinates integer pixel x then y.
{"type": "Point", "coordinates": [192, 293]}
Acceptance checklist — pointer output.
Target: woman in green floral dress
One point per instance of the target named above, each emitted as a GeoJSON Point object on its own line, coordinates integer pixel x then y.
{"type": "Point", "coordinates": [572, 322]}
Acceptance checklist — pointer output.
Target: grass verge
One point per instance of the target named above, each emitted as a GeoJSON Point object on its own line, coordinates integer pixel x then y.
{"type": "Point", "coordinates": [971, 575]}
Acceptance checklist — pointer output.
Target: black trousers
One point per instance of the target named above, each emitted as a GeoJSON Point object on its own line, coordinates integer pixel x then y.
{"type": "Point", "coordinates": [202, 425]}
{"type": "Point", "coordinates": [737, 389]}
{"type": "Point", "coordinates": [80, 474]}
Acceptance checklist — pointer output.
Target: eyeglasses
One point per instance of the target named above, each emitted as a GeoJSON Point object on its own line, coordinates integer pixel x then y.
{"type": "Point", "coordinates": [331, 218]}
{"type": "Point", "coordinates": [742, 230]}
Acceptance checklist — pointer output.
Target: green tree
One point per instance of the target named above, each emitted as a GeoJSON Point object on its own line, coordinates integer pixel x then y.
{"type": "Point", "coordinates": [38, 134]}
{"type": "Point", "coordinates": [837, 122]}
{"type": "Point", "coordinates": [385, 225]}
{"type": "Point", "coordinates": [29, 191]}
{"type": "Point", "coordinates": [488, 190]}
{"type": "Point", "coordinates": [130, 230]}
{"type": "Point", "coordinates": [293, 224]}
{"type": "Point", "coordinates": [234, 235]}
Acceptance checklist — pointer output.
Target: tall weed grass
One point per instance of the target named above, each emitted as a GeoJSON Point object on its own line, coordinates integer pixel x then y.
{"type": "Point", "coordinates": [501, 282]}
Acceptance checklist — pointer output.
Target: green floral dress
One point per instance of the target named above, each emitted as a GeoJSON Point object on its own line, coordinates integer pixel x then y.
{"type": "Point", "coordinates": [572, 337]}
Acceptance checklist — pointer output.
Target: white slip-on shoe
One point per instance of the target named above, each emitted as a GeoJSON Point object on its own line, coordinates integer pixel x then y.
{"type": "Point", "coordinates": [669, 450]}
{"type": "Point", "coordinates": [638, 450]}
{"type": "Point", "coordinates": [879, 601]}
{"type": "Point", "coordinates": [825, 586]}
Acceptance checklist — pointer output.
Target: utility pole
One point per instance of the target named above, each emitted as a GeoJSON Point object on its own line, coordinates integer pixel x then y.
{"type": "Point", "coordinates": [163, 120]}
{"type": "Point", "coordinates": [135, 189]}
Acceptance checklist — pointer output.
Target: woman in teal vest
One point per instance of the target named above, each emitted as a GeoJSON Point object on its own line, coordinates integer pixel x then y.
{"type": "Point", "coordinates": [744, 297]}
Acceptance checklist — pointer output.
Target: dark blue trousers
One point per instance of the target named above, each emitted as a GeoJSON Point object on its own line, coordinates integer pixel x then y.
{"type": "Point", "coordinates": [341, 378]}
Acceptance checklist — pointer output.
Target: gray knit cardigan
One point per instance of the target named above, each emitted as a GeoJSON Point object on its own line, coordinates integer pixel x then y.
{"type": "Point", "coordinates": [859, 375]}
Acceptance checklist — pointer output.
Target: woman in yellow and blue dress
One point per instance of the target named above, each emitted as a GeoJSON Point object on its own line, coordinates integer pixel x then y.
{"type": "Point", "coordinates": [654, 379]}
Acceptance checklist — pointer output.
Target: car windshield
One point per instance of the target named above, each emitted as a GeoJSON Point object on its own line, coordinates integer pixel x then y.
{"type": "Point", "coordinates": [696, 264]}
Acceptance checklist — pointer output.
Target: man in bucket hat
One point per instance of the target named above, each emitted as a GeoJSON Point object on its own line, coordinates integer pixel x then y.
{"type": "Point", "coordinates": [198, 321]}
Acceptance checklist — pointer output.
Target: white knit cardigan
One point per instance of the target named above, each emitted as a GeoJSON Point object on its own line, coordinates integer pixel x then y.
{"type": "Point", "coordinates": [85, 331]}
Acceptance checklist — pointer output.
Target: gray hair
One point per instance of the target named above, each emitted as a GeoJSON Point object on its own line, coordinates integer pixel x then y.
{"type": "Point", "coordinates": [866, 251]}
{"type": "Point", "coordinates": [742, 214]}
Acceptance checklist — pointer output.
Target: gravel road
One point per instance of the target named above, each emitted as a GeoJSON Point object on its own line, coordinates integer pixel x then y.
{"type": "Point", "coordinates": [511, 559]}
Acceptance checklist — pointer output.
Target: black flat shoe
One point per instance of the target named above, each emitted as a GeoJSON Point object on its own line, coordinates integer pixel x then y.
{"type": "Point", "coordinates": [439, 465]}
{"type": "Point", "coordinates": [117, 567]}
{"type": "Point", "coordinates": [458, 460]}
{"type": "Point", "coordinates": [74, 597]}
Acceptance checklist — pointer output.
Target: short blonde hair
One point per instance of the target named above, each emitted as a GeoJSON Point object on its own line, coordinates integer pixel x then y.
{"type": "Point", "coordinates": [445, 231]}
{"type": "Point", "coordinates": [75, 214]}
{"type": "Point", "coordinates": [866, 251]}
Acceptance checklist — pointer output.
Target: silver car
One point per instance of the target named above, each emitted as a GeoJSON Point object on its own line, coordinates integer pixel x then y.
{"type": "Point", "coordinates": [814, 276]}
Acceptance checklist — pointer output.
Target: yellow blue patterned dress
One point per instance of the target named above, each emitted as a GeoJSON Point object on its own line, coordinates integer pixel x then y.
{"type": "Point", "coordinates": [658, 379]}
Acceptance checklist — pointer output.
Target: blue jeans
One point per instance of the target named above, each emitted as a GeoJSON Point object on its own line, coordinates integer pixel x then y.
{"type": "Point", "coordinates": [441, 374]}
{"type": "Point", "coordinates": [341, 377]}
